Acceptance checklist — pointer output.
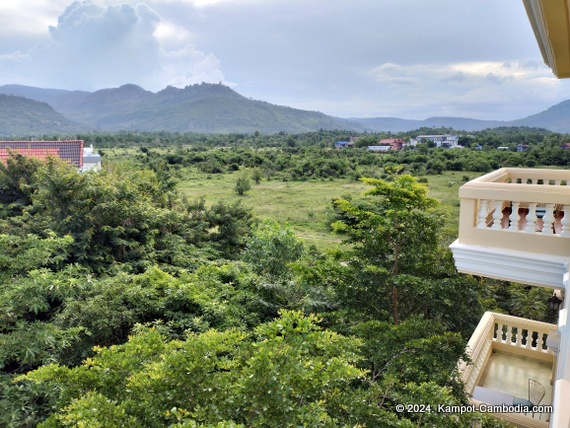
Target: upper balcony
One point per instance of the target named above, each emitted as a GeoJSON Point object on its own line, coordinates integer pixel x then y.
{"type": "Point", "coordinates": [513, 226]}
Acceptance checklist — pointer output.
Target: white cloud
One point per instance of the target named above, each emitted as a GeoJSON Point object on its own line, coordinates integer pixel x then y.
{"type": "Point", "coordinates": [391, 73]}
{"type": "Point", "coordinates": [188, 66]}
{"type": "Point", "coordinates": [171, 36]}
{"type": "Point", "coordinates": [479, 89]}
{"type": "Point", "coordinates": [93, 47]}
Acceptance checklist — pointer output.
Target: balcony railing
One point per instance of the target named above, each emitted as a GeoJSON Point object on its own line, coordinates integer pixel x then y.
{"type": "Point", "coordinates": [508, 334]}
{"type": "Point", "coordinates": [518, 336]}
{"type": "Point", "coordinates": [518, 210]}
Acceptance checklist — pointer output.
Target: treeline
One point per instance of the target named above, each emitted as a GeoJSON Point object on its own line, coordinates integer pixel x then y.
{"type": "Point", "coordinates": [489, 138]}
{"type": "Point", "coordinates": [312, 155]}
{"type": "Point", "coordinates": [123, 304]}
{"type": "Point", "coordinates": [304, 163]}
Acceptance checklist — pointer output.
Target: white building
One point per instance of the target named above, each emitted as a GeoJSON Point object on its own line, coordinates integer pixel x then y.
{"type": "Point", "coordinates": [443, 140]}
{"type": "Point", "coordinates": [379, 148]}
{"type": "Point", "coordinates": [91, 160]}
{"type": "Point", "coordinates": [515, 226]}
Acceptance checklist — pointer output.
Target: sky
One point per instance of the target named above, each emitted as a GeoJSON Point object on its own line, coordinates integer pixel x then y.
{"type": "Point", "coordinates": [411, 59]}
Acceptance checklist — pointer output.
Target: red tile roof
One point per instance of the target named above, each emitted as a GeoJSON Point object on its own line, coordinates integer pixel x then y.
{"type": "Point", "coordinates": [69, 150]}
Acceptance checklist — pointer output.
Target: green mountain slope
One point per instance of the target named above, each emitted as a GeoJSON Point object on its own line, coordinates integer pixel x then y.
{"type": "Point", "coordinates": [215, 108]}
{"type": "Point", "coordinates": [21, 116]}
{"type": "Point", "coordinates": [555, 118]}
{"type": "Point", "coordinates": [206, 108]}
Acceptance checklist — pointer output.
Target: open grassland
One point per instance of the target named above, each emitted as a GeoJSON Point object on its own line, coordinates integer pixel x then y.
{"type": "Point", "coordinates": [302, 204]}
{"type": "Point", "coordinates": [305, 204]}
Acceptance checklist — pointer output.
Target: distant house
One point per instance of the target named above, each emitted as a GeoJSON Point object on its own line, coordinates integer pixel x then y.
{"type": "Point", "coordinates": [394, 143]}
{"type": "Point", "coordinates": [343, 144]}
{"type": "Point", "coordinates": [565, 146]}
{"type": "Point", "coordinates": [69, 150]}
{"type": "Point", "coordinates": [444, 140]}
{"type": "Point", "coordinates": [503, 148]}
{"type": "Point", "coordinates": [522, 148]}
{"type": "Point", "coordinates": [387, 144]}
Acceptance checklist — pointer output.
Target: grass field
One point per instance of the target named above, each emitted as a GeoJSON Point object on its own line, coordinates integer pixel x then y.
{"type": "Point", "coordinates": [304, 204]}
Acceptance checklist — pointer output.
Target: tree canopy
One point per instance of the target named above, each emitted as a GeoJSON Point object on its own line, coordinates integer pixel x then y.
{"type": "Point", "coordinates": [124, 304]}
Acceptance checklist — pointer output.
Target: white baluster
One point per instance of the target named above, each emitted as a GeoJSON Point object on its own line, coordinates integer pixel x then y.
{"type": "Point", "coordinates": [548, 219]}
{"type": "Point", "coordinates": [542, 336]}
{"type": "Point", "coordinates": [531, 218]}
{"type": "Point", "coordinates": [497, 215]}
{"type": "Point", "coordinates": [514, 217]}
{"type": "Point", "coordinates": [565, 221]}
{"type": "Point", "coordinates": [482, 214]}
{"type": "Point", "coordinates": [500, 333]}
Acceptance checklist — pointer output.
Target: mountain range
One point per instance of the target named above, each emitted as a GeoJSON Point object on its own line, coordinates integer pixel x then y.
{"type": "Point", "coordinates": [205, 108]}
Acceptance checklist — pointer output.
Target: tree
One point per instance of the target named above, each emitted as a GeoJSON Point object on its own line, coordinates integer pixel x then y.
{"type": "Point", "coordinates": [395, 231]}
{"type": "Point", "coordinates": [404, 351]}
{"type": "Point", "coordinates": [229, 224]}
{"type": "Point", "coordinates": [242, 185]}
{"type": "Point", "coordinates": [17, 181]}
{"type": "Point", "coordinates": [118, 215]}
{"type": "Point", "coordinates": [271, 247]}
{"type": "Point", "coordinates": [256, 175]}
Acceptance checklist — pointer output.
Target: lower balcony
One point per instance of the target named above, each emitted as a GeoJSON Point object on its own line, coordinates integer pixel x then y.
{"type": "Point", "coordinates": [506, 352]}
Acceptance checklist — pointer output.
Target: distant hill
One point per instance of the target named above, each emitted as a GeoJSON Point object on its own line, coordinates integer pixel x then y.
{"type": "Point", "coordinates": [392, 124]}
{"type": "Point", "coordinates": [21, 116]}
{"type": "Point", "coordinates": [211, 108]}
{"type": "Point", "coordinates": [555, 118]}
{"type": "Point", "coordinates": [205, 108]}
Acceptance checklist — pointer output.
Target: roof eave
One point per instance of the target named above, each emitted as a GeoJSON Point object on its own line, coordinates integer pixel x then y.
{"type": "Point", "coordinates": [550, 22]}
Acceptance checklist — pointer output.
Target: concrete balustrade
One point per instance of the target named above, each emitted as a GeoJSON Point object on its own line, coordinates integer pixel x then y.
{"type": "Point", "coordinates": [514, 225]}
{"type": "Point", "coordinates": [526, 206]}
{"type": "Point", "coordinates": [517, 337]}
{"type": "Point", "coordinates": [500, 332]}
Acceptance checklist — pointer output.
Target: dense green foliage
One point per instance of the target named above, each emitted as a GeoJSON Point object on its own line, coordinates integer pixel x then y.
{"type": "Point", "coordinates": [312, 155]}
{"type": "Point", "coordinates": [123, 304]}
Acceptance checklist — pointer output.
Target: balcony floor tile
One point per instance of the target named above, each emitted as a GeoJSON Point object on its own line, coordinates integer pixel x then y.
{"type": "Point", "coordinates": [509, 373]}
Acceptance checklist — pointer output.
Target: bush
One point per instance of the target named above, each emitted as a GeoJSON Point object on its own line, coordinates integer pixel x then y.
{"type": "Point", "coordinates": [242, 186]}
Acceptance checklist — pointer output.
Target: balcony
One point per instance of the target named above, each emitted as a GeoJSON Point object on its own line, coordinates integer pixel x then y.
{"type": "Point", "coordinates": [506, 351]}
{"type": "Point", "coordinates": [513, 226]}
